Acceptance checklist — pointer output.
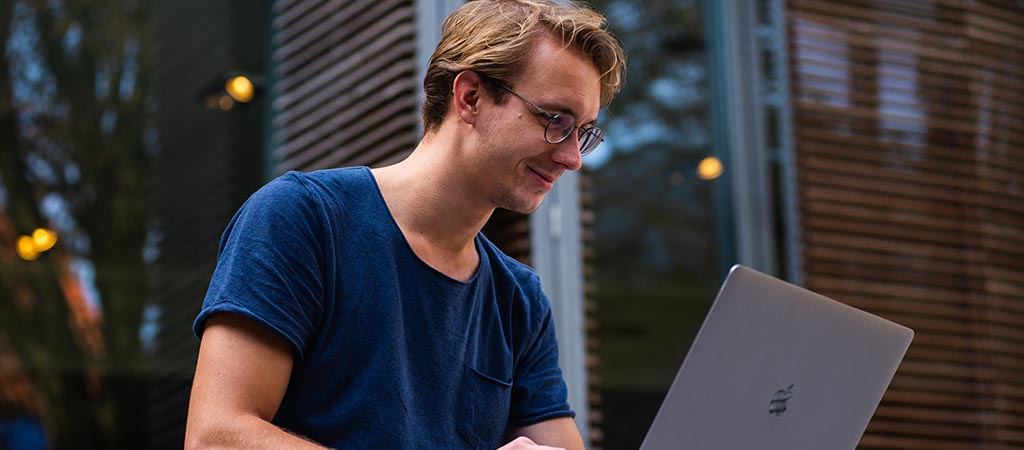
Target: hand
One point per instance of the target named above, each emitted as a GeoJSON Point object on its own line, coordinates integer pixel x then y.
{"type": "Point", "coordinates": [525, 443]}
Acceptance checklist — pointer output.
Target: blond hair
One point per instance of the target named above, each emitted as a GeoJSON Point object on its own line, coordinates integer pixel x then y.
{"type": "Point", "coordinates": [493, 38]}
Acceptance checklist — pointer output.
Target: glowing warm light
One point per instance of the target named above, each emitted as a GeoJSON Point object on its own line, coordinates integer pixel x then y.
{"type": "Point", "coordinates": [26, 248]}
{"type": "Point", "coordinates": [225, 103]}
{"type": "Point", "coordinates": [241, 89]}
{"type": "Point", "coordinates": [43, 239]}
{"type": "Point", "coordinates": [709, 168]}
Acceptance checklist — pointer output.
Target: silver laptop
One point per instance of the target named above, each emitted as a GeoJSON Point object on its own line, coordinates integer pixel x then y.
{"type": "Point", "coordinates": [778, 367]}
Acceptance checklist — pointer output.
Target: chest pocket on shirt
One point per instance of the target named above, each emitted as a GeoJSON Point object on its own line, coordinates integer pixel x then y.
{"type": "Point", "coordinates": [483, 408]}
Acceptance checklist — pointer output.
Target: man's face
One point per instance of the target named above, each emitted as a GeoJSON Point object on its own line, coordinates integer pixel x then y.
{"type": "Point", "coordinates": [519, 165]}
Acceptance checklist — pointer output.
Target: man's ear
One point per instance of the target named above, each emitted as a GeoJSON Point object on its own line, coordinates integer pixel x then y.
{"type": "Point", "coordinates": [467, 90]}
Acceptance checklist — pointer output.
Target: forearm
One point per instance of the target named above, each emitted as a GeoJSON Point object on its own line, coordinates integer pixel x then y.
{"type": "Point", "coordinates": [558, 433]}
{"type": "Point", "coordinates": [241, 377]}
{"type": "Point", "coordinates": [244, 432]}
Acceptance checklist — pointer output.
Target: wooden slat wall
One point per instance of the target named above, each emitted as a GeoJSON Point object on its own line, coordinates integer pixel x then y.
{"type": "Point", "coordinates": [591, 323]}
{"type": "Point", "coordinates": [345, 83]}
{"type": "Point", "coordinates": [205, 164]}
{"type": "Point", "coordinates": [910, 152]}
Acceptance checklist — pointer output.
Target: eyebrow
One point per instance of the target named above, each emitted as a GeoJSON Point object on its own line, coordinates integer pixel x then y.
{"type": "Point", "coordinates": [562, 109]}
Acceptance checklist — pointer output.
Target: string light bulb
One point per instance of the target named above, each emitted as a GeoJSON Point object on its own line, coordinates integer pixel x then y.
{"type": "Point", "coordinates": [43, 239]}
{"type": "Point", "coordinates": [26, 248]}
{"type": "Point", "coordinates": [29, 247]}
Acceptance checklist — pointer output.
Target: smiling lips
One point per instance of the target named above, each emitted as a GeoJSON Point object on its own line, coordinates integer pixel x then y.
{"type": "Point", "coordinates": [546, 181]}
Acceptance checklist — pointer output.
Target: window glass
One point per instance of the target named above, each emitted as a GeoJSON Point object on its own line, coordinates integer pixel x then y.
{"type": "Point", "coordinates": [654, 264]}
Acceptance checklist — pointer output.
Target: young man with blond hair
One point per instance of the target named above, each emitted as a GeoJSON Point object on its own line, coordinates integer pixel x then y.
{"type": "Point", "coordinates": [359, 308]}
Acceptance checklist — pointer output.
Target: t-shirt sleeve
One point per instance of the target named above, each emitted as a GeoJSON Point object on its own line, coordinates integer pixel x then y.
{"type": "Point", "coordinates": [269, 264]}
{"type": "Point", "coordinates": [538, 389]}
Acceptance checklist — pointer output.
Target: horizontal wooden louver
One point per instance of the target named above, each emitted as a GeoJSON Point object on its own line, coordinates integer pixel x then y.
{"type": "Point", "coordinates": [202, 171]}
{"type": "Point", "coordinates": [909, 132]}
{"type": "Point", "coordinates": [344, 83]}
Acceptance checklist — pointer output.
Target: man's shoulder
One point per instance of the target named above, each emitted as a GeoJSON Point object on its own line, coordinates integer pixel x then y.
{"type": "Point", "coordinates": [292, 184]}
{"type": "Point", "coordinates": [331, 191]}
{"type": "Point", "coordinates": [511, 269]}
{"type": "Point", "coordinates": [330, 180]}
{"type": "Point", "coordinates": [513, 266]}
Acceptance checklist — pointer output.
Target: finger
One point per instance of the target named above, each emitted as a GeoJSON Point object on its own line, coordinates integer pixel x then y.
{"type": "Point", "coordinates": [525, 443]}
{"type": "Point", "coordinates": [521, 442]}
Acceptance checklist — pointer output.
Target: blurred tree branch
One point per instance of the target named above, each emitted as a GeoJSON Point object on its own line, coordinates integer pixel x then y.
{"type": "Point", "coordinates": [88, 119]}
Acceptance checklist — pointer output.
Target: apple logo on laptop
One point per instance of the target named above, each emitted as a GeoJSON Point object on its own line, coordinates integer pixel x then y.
{"type": "Point", "coordinates": [778, 403]}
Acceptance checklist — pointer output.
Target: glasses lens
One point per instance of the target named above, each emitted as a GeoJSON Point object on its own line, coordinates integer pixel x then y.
{"type": "Point", "coordinates": [559, 128]}
{"type": "Point", "coordinates": [590, 139]}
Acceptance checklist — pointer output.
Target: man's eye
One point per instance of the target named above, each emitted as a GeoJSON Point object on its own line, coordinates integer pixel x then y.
{"type": "Point", "coordinates": [562, 121]}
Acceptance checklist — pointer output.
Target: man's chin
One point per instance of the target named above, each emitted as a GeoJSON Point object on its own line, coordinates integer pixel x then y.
{"type": "Point", "coordinates": [531, 210]}
{"type": "Point", "coordinates": [520, 205]}
{"type": "Point", "coordinates": [523, 210]}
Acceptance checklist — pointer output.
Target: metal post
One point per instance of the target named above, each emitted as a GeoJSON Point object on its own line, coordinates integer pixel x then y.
{"type": "Point", "coordinates": [557, 252]}
{"type": "Point", "coordinates": [739, 131]}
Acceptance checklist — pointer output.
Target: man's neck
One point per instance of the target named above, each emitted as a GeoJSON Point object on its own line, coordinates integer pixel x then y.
{"type": "Point", "coordinates": [435, 208]}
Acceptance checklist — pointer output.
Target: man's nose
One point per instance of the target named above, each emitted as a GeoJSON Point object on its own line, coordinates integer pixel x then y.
{"type": "Point", "coordinates": [567, 152]}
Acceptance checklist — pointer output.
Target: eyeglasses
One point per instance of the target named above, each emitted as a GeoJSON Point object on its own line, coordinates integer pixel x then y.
{"type": "Point", "coordinates": [560, 126]}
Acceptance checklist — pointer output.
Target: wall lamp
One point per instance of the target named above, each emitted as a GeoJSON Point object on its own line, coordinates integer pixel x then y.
{"type": "Point", "coordinates": [231, 91]}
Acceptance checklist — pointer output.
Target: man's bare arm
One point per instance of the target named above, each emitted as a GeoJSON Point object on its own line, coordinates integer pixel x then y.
{"type": "Point", "coordinates": [560, 433]}
{"type": "Point", "coordinates": [241, 377]}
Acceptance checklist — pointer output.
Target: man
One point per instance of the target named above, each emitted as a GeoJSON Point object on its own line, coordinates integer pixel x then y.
{"type": "Point", "coordinates": [362, 308]}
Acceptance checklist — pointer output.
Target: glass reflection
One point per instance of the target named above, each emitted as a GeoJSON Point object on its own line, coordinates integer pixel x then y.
{"type": "Point", "coordinates": [654, 265]}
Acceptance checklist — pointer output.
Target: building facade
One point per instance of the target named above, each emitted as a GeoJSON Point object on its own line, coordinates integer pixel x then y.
{"type": "Point", "coordinates": [869, 150]}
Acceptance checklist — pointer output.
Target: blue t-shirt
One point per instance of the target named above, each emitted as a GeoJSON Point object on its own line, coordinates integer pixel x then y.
{"type": "Point", "coordinates": [389, 353]}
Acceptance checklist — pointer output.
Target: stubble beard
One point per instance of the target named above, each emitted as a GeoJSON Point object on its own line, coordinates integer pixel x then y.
{"type": "Point", "coordinates": [513, 196]}
{"type": "Point", "coordinates": [504, 198]}
{"type": "Point", "coordinates": [504, 195]}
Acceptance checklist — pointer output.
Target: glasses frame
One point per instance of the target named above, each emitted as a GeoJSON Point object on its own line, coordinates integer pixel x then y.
{"type": "Point", "coordinates": [587, 143]}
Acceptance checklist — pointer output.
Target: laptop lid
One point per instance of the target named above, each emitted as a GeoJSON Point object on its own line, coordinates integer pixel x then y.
{"type": "Point", "coordinates": [775, 367]}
